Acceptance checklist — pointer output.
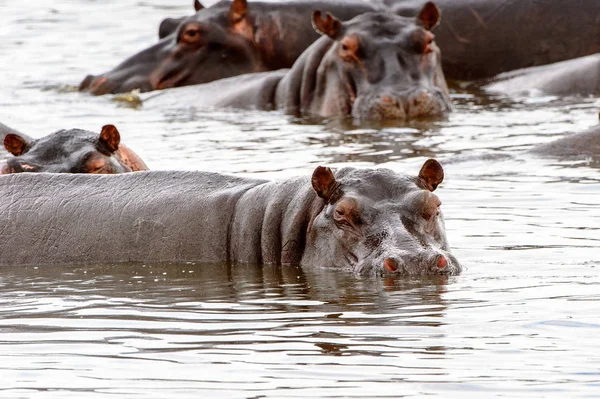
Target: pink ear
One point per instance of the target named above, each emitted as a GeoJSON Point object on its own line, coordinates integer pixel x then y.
{"type": "Point", "coordinates": [330, 26]}
{"type": "Point", "coordinates": [323, 182]}
{"type": "Point", "coordinates": [430, 16]}
{"type": "Point", "coordinates": [238, 11]}
{"type": "Point", "coordinates": [15, 144]}
{"type": "Point", "coordinates": [110, 137]}
{"type": "Point", "coordinates": [432, 173]}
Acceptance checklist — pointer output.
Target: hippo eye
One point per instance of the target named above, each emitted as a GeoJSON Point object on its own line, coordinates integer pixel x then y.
{"type": "Point", "coordinates": [340, 212]}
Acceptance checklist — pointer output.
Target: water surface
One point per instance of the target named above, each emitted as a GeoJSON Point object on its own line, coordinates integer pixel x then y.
{"type": "Point", "coordinates": [521, 321]}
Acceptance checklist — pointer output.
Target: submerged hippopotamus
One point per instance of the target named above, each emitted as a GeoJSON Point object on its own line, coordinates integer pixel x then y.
{"type": "Point", "coordinates": [579, 76]}
{"type": "Point", "coordinates": [482, 38]}
{"type": "Point", "coordinates": [583, 144]}
{"type": "Point", "coordinates": [70, 151]}
{"type": "Point", "coordinates": [368, 221]}
{"type": "Point", "coordinates": [228, 39]}
{"type": "Point", "coordinates": [376, 66]}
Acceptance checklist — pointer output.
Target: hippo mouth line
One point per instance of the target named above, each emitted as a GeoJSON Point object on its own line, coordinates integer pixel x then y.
{"type": "Point", "coordinates": [170, 79]}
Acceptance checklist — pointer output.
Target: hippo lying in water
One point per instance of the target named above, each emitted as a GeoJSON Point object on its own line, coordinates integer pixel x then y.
{"type": "Point", "coordinates": [227, 39]}
{"type": "Point", "coordinates": [70, 151]}
{"type": "Point", "coordinates": [369, 221]}
{"type": "Point", "coordinates": [579, 76]}
{"type": "Point", "coordinates": [480, 38]}
{"type": "Point", "coordinates": [583, 144]}
{"type": "Point", "coordinates": [376, 66]}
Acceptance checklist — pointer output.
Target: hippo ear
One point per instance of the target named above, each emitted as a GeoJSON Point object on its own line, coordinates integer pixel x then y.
{"type": "Point", "coordinates": [330, 26]}
{"type": "Point", "coordinates": [323, 182]}
{"type": "Point", "coordinates": [432, 174]}
{"type": "Point", "coordinates": [238, 11]}
{"type": "Point", "coordinates": [198, 6]}
{"type": "Point", "coordinates": [430, 16]}
{"type": "Point", "coordinates": [110, 137]}
{"type": "Point", "coordinates": [15, 144]}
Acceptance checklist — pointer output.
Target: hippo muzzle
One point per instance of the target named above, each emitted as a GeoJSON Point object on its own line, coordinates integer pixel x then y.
{"type": "Point", "coordinates": [402, 105]}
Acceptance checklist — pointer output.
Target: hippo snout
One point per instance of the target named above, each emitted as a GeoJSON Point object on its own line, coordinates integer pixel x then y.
{"type": "Point", "coordinates": [97, 85]}
{"type": "Point", "coordinates": [426, 263]}
{"type": "Point", "coordinates": [418, 104]}
{"type": "Point", "coordinates": [16, 166]}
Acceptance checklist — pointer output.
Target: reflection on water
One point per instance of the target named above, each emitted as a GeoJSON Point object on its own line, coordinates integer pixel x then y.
{"type": "Point", "coordinates": [522, 320]}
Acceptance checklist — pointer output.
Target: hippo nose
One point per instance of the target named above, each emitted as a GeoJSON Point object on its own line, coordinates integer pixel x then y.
{"type": "Point", "coordinates": [20, 167]}
{"type": "Point", "coordinates": [390, 265]}
{"type": "Point", "coordinates": [441, 262]}
{"type": "Point", "coordinates": [85, 83]}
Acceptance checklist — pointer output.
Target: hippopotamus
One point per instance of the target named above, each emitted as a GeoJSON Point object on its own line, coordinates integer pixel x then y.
{"type": "Point", "coordinates": [70, 151]}
{"type": "Point", "coordinates": [365, 221]}
{"type": "Point", "coordinates": [377, 66]}
{"type": "Point", "coordinates": [579, 76]}
{"type": "Point", "coordinates": [482, 38]}
{"type": "Point", "coordinates": [228, 39]}
{"type": "Point", "coordinates": [583, 144]}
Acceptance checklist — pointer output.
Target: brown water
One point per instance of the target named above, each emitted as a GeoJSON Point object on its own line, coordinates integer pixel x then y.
{"type": "Point", "coordinates": [521, 321]}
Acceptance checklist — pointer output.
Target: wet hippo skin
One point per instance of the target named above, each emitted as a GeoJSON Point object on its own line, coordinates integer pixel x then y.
{"type": "Point", "coordinates": [579, 76]}
{"type": "Point", "coordinates": [377, 66]}
{"type": "Point", "coordinates": [228, 39]}
{"type": "Point", "coordinates": [586, 143]}
{"type": "Point", "coordinates": [70, 151]}
{"type": "Point", "coordinates": [368, 221]}
{"type": "Point", "coordinates": [482, 38]}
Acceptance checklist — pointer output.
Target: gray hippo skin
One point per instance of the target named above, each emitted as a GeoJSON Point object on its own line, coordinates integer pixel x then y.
{"type": "Point", "coordinates": [377, 66]}
{"type": "Point", "coordinates": [583, 144]}
{"type": "Point", "coordinates": [579, 76]}
{"type": "Point", "coordinates": [70, 151]}
{"type": "Point", "coordinates": [482, 38]}
{"type": "Point", "coordinates": [369, 221]}
{"type": "Point", "coordinates": [228, 39]}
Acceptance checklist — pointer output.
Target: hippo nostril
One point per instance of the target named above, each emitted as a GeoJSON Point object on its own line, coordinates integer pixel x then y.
{"type": "Point", "coordinates": [387, 100]}
{"type": "Point", "coordinates": [441, 262]}
{"type": "Point", "coordinates": [85, 83]}
{"type": "Point", "coordinates": [390, 265]}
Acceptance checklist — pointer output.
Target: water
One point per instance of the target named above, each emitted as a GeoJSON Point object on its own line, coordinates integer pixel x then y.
{"type": "Point", "coordinates": [521, 321]}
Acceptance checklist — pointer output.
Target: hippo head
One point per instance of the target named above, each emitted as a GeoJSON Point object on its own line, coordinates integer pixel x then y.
{"type": "Point", "coordinates": [213, 44]}
{"type": "Point", "coordinates": [380, 222]}
{"type": "Point", "coordinates": [382, 66]}
{"type": "Point", "coordinates": [71, 151]}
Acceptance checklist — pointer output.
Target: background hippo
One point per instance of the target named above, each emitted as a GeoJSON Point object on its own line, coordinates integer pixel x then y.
{"type": "Point", "coordinates": [376, 66]}
{"type": "Point", "coordinates": [367, 221]}
{"type": "Point", "coordinates": [482, 38]}
{"type": "Point", "coordinates": [70, 151]}
{"type": "Point", "coordinates": [228, 39]}
{"type": "Point", "coordinates": [577, 76]}
{"type": "Point", "coordinates": [583, 144]}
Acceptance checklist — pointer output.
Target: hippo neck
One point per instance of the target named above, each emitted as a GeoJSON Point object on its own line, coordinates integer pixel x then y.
{"type": "Point", "coordinates": [270, 222]}
{"type": "Point", "coordinates": [296, 91]}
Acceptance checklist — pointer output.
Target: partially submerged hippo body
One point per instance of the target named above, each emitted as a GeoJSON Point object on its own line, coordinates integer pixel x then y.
{"type": "Point", "coordinates": [376, 66]}
{"type": "Point", "coordinates": [368, 221]}
{"type": "Point", "coordinates": [583, 144]}
{"type": "Point", "coordinates": [482, 38]}
{"type": "Point", "coordinates": [70, 151]}
{"type": "Point", "coordinates": [228, 39]}
{"type": "Point", "coordinates": [579, 76]}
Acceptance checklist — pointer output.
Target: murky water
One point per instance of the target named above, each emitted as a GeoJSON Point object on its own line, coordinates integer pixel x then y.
{"type": "Point", "coordinates": [521, 321]}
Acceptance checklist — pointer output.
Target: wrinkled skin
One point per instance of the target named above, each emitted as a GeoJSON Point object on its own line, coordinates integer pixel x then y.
{"type": "Point", "coordinates": [482, 38]}
{"type": "Point", "coordinates": [576, 145]}
{"type": "Point", "coordinates": [579, 76]}
{"type": "Point", "coordinates": [227, 39]}
{"type": "Point", "coordinates": [364, 221]}
{"type": "Point", "coordinates": [376, 66]}
{"type": "Point", "coordinates": [70, 151]}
